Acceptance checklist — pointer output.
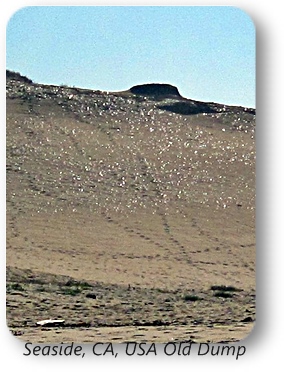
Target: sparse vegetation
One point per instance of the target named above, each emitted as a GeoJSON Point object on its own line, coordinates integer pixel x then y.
{"type": "Point", "coordinates": [74, 287]}
{"type": "Point", "coordinates": [223, 294]}
{"type": "Point", "coordinates": [91, 295]}
{"type": "Point", "coordinates": [224, 291]}
{"type": "Point", "coordinates": [191, 297]}
{"type": "Point", "coordinates": [15, 287]}
{"type": "Point", "coordinates": [79, 284]}
{"type": "Point", "coordinates": [71, 291]}
{"type": "Point", "coordinates": [224, 288]}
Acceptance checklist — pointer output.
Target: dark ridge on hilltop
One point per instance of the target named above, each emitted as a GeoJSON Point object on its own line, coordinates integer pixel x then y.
{"type": "Point", "coordinates": [177, 104]}
{"type": "Point", "coordinates": [155, 90]}
{"type": "Point", "coordinates": [12, 75]}
{"type": "Point", "coordinates": [189, 108]}
{"type": "Point", "coordinates": [160, 96]}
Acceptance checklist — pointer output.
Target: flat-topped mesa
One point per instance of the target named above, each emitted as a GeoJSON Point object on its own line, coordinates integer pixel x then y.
{"type": "Point", "coordinates": [156, 90]}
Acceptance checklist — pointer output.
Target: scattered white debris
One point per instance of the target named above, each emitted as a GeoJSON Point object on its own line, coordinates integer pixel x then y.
{"type": "Point", "coordinates": [50, 322]}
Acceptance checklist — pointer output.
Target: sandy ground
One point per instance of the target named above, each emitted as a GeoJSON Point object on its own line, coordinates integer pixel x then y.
{"type": "Point", "coordinates": [128, 224]}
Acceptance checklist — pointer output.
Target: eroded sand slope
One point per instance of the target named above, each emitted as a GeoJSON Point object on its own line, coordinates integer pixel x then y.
{"type": "Point", "coordinates": [127, 219]}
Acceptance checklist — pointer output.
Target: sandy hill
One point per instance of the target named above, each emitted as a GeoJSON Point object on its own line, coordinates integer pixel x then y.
{"type": "Point", "coordinates": [146, 197]}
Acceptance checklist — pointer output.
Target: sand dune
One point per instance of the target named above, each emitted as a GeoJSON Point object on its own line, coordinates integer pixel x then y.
{"type": "Point", "coordinates": [125, 212]}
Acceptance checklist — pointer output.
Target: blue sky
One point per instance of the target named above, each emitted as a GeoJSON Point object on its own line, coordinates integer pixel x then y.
{"type": "Point", "coordinates": [207, 52]}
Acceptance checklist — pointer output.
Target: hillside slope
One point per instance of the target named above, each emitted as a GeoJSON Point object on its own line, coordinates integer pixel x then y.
{"type": "Point", "coordinates": [147, 196]}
